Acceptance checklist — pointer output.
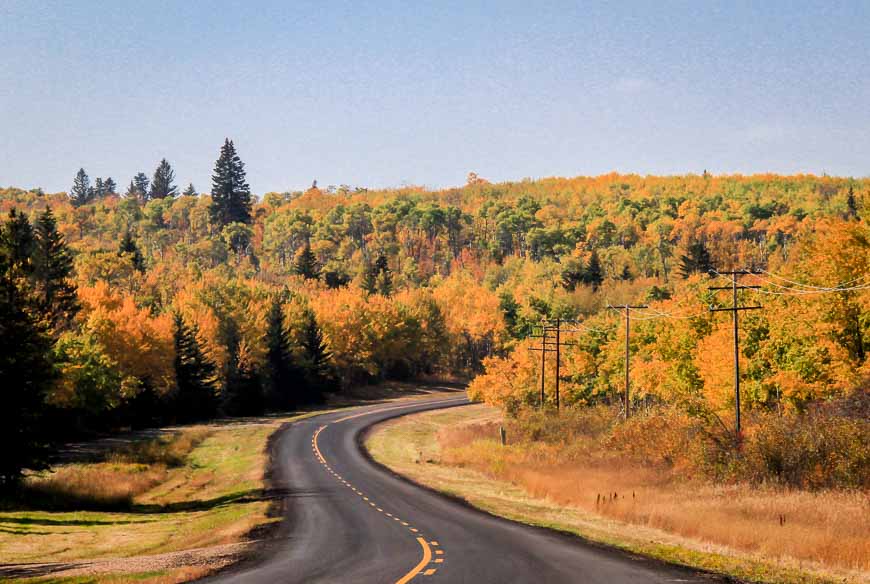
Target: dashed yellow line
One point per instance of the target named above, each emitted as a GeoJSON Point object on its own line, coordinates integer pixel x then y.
{"type": "Point", "coordinates": [427, 551]}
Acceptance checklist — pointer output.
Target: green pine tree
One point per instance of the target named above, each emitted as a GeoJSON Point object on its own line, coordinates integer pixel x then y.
{"type": "Point", "coordinates": [26, 375]}
{"type": "Point", "coordinates": [53, 269]}
{"type": "Point", "coordinates": [141, 184]}
{"type": "Point", "coordinates": [306, 264]}
{"type": "Point", "coordinates": [243, 392]}
{"type": "Point", "coordinates": [110, 187]}
{"type": "Point", "coordinates": [129, 248]}
{"type": "Point", "coordinates": [81, 192]}
{"type": "Point", "coordinates": [230, 194]}
{"type": "Point", "coordinates": [284, 383]}
{"type": "Point", "coordinates": [196, 397]}
{"type": "Point", "coordinates": [162, 185]}
{"type": "Point", "coordinates": [190, 191]}
{"type": "Point", "coordinates": [594, 274]}
{"type": "Point", "coordinates": [851, 204]}
{"type": "Point", "coordinates": [696, 260]}
{"type": "Point", "coordinates": [318, 361]}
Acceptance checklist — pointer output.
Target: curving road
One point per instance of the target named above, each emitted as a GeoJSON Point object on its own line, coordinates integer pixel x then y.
{"type": "Point", "coordinates": [349, 520]}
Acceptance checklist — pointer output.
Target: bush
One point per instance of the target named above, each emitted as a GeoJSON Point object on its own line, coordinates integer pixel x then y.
{"type": "Point", "coordinates": [812, 451]}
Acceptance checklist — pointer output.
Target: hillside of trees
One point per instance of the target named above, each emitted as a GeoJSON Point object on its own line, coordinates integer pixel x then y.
{"type": "Point", "coordinates": [158, 304]}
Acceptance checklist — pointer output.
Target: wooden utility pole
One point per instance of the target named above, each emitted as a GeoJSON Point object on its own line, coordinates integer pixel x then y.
{"type": "Point", "coordinates": [551, 329]}
{"type": "Point", "coordinates": [626, 308]}
{"type": "Point", "coordinates": [735, 309]}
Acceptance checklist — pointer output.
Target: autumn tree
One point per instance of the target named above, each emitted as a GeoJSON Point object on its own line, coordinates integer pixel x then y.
{"type": "Point", "coordinates": [231, 195]}
{"type": "Point", "coordinates": [163, 183]}
{"type": "Point", "coordinates": [196, 392]}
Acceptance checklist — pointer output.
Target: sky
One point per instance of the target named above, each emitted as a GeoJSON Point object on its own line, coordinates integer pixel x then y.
{"type": "Point", "coordinates": [384, 94]}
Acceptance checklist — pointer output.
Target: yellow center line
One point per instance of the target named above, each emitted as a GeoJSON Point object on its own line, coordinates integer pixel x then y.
{"type": "Point", "coordinates": [427, 557]}
{"type": "Point", "coordinates": [427, 551]}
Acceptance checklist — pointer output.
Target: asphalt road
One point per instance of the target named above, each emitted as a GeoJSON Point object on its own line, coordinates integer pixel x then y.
{"type": "Point", "coordinates": [349, 520]}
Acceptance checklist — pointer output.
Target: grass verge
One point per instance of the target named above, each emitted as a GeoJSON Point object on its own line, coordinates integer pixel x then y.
{"type": "Point", "coordinates": [419, 447]}
{"type": "Point", "coordinates": [194, 488]}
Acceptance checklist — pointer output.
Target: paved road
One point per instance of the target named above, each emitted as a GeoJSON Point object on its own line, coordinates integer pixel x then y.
{"type": "Point", "coordinates": [349, 520]}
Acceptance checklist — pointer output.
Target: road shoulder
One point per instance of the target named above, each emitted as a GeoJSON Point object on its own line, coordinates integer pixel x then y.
{"type": "Point", "coordinates": [408, 446]}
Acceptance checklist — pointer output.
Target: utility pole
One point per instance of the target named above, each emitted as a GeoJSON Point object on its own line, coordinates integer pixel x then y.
{"type": "Point", "coordinates": [548, 329]}
{"type": "Point", "coordinates": [626, 308]}
{"type": "Point", "coordinates": [735, 309]}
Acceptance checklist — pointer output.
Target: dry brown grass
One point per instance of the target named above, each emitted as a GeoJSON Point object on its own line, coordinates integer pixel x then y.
{"type": "Point", "coordinates": [113, 484]}
{"type": "Point", "coordinates": [827, 527]}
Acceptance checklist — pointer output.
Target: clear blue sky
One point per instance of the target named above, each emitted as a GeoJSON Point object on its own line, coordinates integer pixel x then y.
{"type": "Point", "coordinates": [386, 93]}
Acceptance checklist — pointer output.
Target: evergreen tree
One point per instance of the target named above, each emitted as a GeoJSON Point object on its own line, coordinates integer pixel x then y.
{"type": "Point", "coordinates": [231, 195]}
{"type": "Point", "coordinates": [377, 277]}
{"type": "Point", "coordinates": [243, 392]}
{"type": "Point", "coordinates": [196, 398]}
{"type": "Point", "coordinates": [81, 192]}
{"type": "Point", "coordinates": [128, 247]}
{"type": "Point", "coordinates": [26, 374]}
{"type": "Point", "coordinates": [306, 264]}
{"type": "Point", "coordinates": [189, 191]}
{"type": "Point", "coordinates": [369, 281]}
{"type": "Point", "coordinates": [162, 185]}
{"type": "Point", "coordinates": [851, 204]}
{"type": "Point", "coordinates": [99, 188]}
{"type": "Point", "coordinates": [53, 266]}
{"type": "Point", "coordinates": [318, 361]}
{"type": "Point", "coordinates": [594, 274]}
{"type": "Point", "coordinates": [572, 274]}
{"type": "Point", "coordinates": [110, 187]}
{"type": "Point", "coordinates": [283, 380]}
{"type": "Point", "coordinates": [18, 243]}
{"type": "Point", "coordinates": [141, 184]}
{"type": "Point", "coordinates": [697, 259]}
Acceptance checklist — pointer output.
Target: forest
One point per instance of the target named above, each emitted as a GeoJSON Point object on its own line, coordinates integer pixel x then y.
{"type": "Point", "coordinates": [154, 305]}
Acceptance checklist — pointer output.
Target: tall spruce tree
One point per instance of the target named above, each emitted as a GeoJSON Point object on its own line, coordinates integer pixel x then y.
{"type": "Point", "coordinates": [594, 274]}
{"type": "Point", "coordinates": [190, 191]}
{"type": "Point", "coordinates": [306, 264]}
{"type": "Point", "coordinates": [230, 194]}
{"type": "Point", "coordinates": [26, 375]}
{"type": "Point", "coordinates": [163, 183]}
{"type": "Point", "coordinates": [129, 248]}
{"type": "Point", "coordinates": [81, 192]}
{"type": "Point", "coordinates": [377, 277]}
{"type": "Point", "coordinates": [53, 270]}
{"type": "Point", "coordinates": [19, 244]}
{"type": "Point", "coordinates": [110, 186]}
{"type": "Point", "coordinates": [243, 391]}
{"type": "Point", "coordinates": [196, 397]}
{"type": "Point", "coordinates": [320, 373]}
{"type": "Point", "coordinates": [99, 188]}
{"type": "Point", "coordinates": [284, 383]}
{"type": "Point", "coordinates": [141, 184]}
{"type": "Point", "coordinates": [851, 204]}
{"type": "Point", "coordinates": [695, 260]}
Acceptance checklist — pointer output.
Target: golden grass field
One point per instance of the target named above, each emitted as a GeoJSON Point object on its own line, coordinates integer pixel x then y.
{"type": "Point", "coordinates": [763, 534]}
